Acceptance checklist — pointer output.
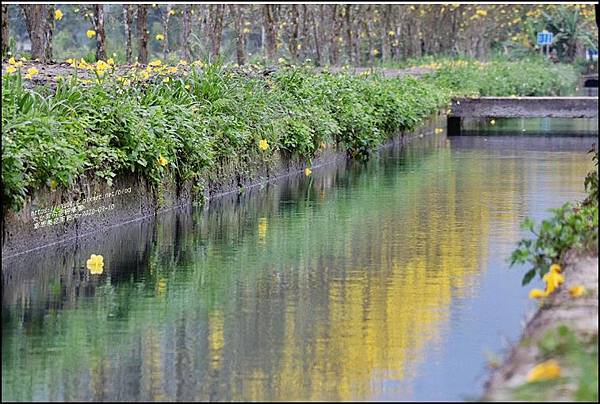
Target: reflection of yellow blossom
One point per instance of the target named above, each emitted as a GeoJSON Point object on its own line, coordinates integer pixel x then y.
{"type": "Point", "coordinates": [493, 122]}
{"type": "Point", "coordinates": [544, 371]}
{"type": "Point", "coordinates": [263, 144]}
{"type": "Point", "coordinates": [307, 171]}
{"type": "Point", "coordinates": [262, 227]}
{"type": "Point", "coordinates": [577, 290]}
{"type": "Point", "coordinates": [58, 15]}
{"type": "Point", "coordinates": [90, 33]}
{"type": "Point", "coordinates": [162, 161]}
{"type": "Point", "coordinates": [95, 264]}
{"type": "Point", "coordinates": [160, 37]}
{"type": "Point", "coordinates": [439, 130]}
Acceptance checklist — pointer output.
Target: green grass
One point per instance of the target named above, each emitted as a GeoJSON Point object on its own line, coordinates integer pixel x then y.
{"type": "Point", "coordinates": [106, 128]}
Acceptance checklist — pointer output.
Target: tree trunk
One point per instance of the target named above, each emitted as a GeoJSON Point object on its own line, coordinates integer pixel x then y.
{"type": "Point", "coordinates": [385, 43]}
{"type": "Point", "coordinates": [317, 39]}
{"type": "Point", "coordinates": [270, 24]}
{"type": "Point", "coordinates": [128, 20]}
{"type": "Point", "coordinates": [37, 26]}
{"type": "Point", "coordinates": [216, 31]}
{"type": "Point", "coordinates": [348, 11]}
{"type": "Point", "coordinates": [293, 40]}
{"type": "Point", "coordinates": [49, 30]}
{"type": "Point", "coordinates": [165, 21]}
{"type": "Point", "coordinates": [240, 38]}
{"type": "Point", "coordinates": [142, 22]}
{"type": "Point", "coordinates": [4, 30]}
{"type": "Point", "coordinates": [186, 53]}
{"type": "Point", "coordinates": [335, 34]}
{"type": "Point", "coordinates": [100, 34]}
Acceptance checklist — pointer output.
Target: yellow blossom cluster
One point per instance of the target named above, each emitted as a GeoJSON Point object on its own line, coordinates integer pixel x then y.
{"type": "Point", "coordinates": [553, 279]}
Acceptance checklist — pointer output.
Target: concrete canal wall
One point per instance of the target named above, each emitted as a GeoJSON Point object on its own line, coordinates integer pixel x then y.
{"type": "Point", "coordinates": [90, 205]}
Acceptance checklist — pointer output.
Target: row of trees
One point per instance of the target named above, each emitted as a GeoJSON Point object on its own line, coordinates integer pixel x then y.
{"type": "Point", "coordinates": [355, 34]}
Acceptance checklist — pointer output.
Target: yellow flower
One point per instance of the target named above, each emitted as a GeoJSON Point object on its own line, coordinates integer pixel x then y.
{"type": "Point", "coordinates": [391, 33]}
{"type": "Point", "coordinates": [439, 130]}
{"type": "Point", "coordinates": [183, 62]}
{"type": "Point", "coordinates": [162, 161]}
{"type": "Point", "coordinates": [536, 294]}
{"type": "Point", "coordinates": [263, 144]}
{"type": "Point", "coordinates": [32, 71]}
{"type": "Point", "coordinates": [375, 52]}
{"type": "Point", "coordinates": [577, 291]}
{"type": "Point", "coordinates": [11, 69]}
{"type": "Point", "coordinates": [155, 63]}
{"type": "Point", "coordinates": [58, 15]}
{"type": "Point", "coordinates": [160, 37]}
{"type": "Point", "coordinates": [110, 62]}
{"type": "Point", "coordinates": [544, 371]}
{"type": "Point", "coordinates": [172, 12]}
{"type": "Point", "coordinates": [555, 268]}
{"type": "Point", "coordinates": [493, 122]}
{"type": "Point", "coordinates": [173, 70]}
{"type": "Point", "coordinates": [12, 60]}
{"type": "Point", "coordinates": [187, 86]}
{"type": "Point", "coordinates": [90, 33]}
{"type": "Point", "coordinates": [246, 30]}
{"type": "Point", "coordinates": [553, 280]}
{"type": "Point", "coordinates": [95, 264]}
{"type": "Point", "coordinates": [307, 171]}
{"type": "Point", "coordinates": [166, 79]}
{"type": "Point", "coordinates": [281, 61]}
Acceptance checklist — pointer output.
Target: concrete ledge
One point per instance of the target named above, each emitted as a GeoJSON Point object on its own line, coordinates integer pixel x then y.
{"type": "Point", "coordinates": [525, 107]}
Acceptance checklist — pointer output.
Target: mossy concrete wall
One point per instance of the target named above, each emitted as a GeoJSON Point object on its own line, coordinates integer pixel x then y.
{"type": "Point", "coordinates": [90, 205]}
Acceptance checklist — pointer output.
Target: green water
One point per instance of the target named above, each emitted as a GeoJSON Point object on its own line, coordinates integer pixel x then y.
{"type": "Point", "coordinates": [377, 281]}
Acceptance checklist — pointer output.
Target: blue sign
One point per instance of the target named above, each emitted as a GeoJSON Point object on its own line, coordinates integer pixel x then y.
{"type": "Point", "coordinates": [591, 54]}
{"type": "Point", "coordinates": [545, 38]}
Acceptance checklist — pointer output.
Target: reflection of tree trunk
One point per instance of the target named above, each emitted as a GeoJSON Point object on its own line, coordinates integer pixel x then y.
{"type": "Point", "coordinates": [240, 37]}
{"type": "Point", "coordinates": [100, 34]}
{"type": "Point", "coordinates": [270, 24]}
{"type": "Point", "coordinates": [36, 23]}
{"type": "Point", "coordinates": [4, 30]}
{"type": "Point", "coordinates": [142, 22]}
{"type": "Point", "coordinates": [128, 20]}
{"type": "Point", "coordinates": [186, 53]}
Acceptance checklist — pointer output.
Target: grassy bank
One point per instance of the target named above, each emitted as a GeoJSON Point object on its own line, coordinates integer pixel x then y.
{"type": "Point", "coordinates": [186, 119]}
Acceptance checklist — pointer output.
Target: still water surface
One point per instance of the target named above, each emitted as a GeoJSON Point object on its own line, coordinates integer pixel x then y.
{"type": "Point", "coordinates": [384, 281]}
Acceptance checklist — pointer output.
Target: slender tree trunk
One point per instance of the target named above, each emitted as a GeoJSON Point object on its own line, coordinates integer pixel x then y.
{"type": "Point", "coordinates": [270, 24]}
{"type": "Point", "coordinates": [49, 31]}
{"type": "Point", "coordinates": [128, 20]}
{"type": "Point", "coordinates": [385, 43]}
{"type": "Point", "coordinates": [142, 22]}
{"type": "Point", "coordinates": [36, 23]}
{"type": "Point", "coordinates": [317, 38]}
{"type": "Point", "coordinates": [335, 34]}
{"type": "Point", "coordinates": [240, 37]}
{"type": "Point", "coordinates": [4, 30]}
{"type": "Point", "coordinates": [348, 20]}
{"type": "Point", "coordinates": [100, 34]}
{"type": "Point", "coordinates": [186, 53]}
{"type": "Point", "coordinates": [216, 31]}
{"type": "Point", "coordinates": [293, 40]}
{"type": "Point", "coordinates": [165, 21]}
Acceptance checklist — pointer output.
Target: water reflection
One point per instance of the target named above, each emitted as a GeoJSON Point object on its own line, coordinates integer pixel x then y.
{"type": "Point", "coordinates": [337, 286]}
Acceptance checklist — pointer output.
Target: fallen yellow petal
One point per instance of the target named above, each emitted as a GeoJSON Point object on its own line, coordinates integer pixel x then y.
{"type": "Point", "coordinates": [544, 371]}
{"type": "Point", "coordinates": [577, 290]}
{"type": "Point", "coordinates": [537, 293]}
